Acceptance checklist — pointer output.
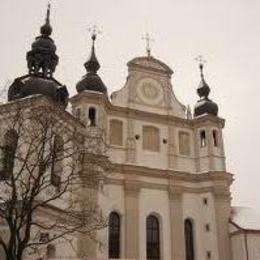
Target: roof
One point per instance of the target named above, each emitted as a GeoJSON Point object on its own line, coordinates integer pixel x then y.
{"type": "Point", "coordinates": [245, 218]}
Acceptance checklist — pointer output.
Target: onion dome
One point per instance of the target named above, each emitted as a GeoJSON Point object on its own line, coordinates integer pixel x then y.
{"type": "Point", "coordinates": [204, 105]}
{"type": "Point", "coordinates": [41, 61]}
{"type": "Point", "coordinates": [92, 81]}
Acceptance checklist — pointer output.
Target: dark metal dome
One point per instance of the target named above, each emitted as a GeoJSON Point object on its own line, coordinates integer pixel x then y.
{"type": "Point", "coordinates": [92, 81]}
{"type": "Point", "coordinates": [32, 85]}
{"type": "Point", "coordinates": [41, 61]}
{"type": "Point", "coordinates": [204, 105]}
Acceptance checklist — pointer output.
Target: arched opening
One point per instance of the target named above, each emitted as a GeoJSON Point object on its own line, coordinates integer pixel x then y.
{"type": "Point", "coordinates": [57, 157]}
{"type": "Point", "coordinates": [51, 251]}
{"type": "Point", "coordinates": [114, 236]}
{"type": "Point", "coordinates": [215, 138]}
{"type": "Point", "coordinates": [202, 138]}
{"type": "Point", "coordinates": [8, 151]}
{"type": "Point", "coordinates": [92, 116]}
{"type": "Point", "coordinates": [152, 238]}
{"type": "Point", "coordinates": [189, 239]}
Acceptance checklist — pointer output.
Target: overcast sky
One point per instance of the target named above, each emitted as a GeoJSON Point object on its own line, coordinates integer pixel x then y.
{"type": "Point", "coordinates": [225, 32]}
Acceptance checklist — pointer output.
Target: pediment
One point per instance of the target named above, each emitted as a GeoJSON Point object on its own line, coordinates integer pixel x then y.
{"type": "Point", "coordinates": [149, 63]}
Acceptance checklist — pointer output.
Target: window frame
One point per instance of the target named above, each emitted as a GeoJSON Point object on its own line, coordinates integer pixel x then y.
{"type": "Point", "coordinates": [153, 238]}
{"type": "Point", "coordinates": [114, 236]}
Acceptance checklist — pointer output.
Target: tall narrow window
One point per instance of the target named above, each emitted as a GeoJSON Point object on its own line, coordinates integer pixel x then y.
{"type": "Point", "coordinates": [215, 138]}
{"type": "Point", "coordinates": [57, 156]}
{"type": "Point", "coordinates": [152, 238]}
{"type": "Point", "coordinates": [116, 132]}
{"type": "Point", "coordinates": [151, 138]}
{"type": "Point", "coordinates": [189, 240]}
{"type": "Point", "coordinates": [8, 151]}
{"type": "Point", "coordinates": [51, 251]}
{"type": "Point", "coordinates": [114, 235]}
{"type": "Point", "coordinates": [202, 138]}
{"type": "Point", "coordinates": [184, 143]}
{"type": "Point", "coordinates": [92, 116]}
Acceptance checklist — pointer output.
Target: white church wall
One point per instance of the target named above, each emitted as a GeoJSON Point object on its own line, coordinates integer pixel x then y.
{"type": "Point", "coordinates": [152, 159]}
{"type": "Point", "coordinates": [254, 245]}
{"type": "Point", "coordinates": [155, 202]}
{"type": "Point", "coordinates": [111, 199]}
{"type": "Point", "coordinates": [200, 214]}
{"type": "Point", "coordinates": [238, 247]}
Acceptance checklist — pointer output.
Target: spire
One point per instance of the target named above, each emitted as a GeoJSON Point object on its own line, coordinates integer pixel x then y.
{"type": "Point", "coordinates": [91, 81]}
{"type": "Point", "coordinates": [203, 89]}
{"type": "Point", "coordinates": [46, 29]}
{"type": "Point", "coordinates": [92, 65]}
{"type": "Point", "coordinates": [204, 105]}
{"type": "Point", "coordinates": [42, 59]}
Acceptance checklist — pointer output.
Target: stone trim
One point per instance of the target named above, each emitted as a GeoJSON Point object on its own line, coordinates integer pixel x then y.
{"type": "Point", "coordinates": [175, 175]}
{"type": "Point", "coordinates": [125, 112]}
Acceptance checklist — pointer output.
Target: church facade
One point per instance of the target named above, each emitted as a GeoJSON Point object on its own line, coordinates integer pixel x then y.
{"type": "Point", "coordinates": [168, 195]}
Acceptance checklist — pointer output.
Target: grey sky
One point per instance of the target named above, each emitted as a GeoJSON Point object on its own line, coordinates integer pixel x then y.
{"type": "Point", "coordinates": [226, 32]}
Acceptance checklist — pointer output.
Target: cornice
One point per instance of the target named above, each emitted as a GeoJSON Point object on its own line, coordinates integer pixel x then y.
{"type": "Point", "coordinates": [125, 112]}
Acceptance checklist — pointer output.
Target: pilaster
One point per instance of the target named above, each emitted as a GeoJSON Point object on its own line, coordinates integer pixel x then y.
{"type": "Point", "coordinates": [222, 209]}
{"type": "Point", "coordinates": [176, 220]}
{"type": "Point", "coordinates": [132, 190]}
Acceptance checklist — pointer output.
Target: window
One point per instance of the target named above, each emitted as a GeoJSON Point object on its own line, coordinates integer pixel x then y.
{"type": "Point", "coordinates": [8, 151]}
{"type": "Point", "coordinates": [51, 251]}
{"type": "Point", "coordinates": [205, 201]}
{"type": "Point", "coordinates": [215, 138]}
{"type": "Point", "coordinates": [202, 138]}
{"type": "Point", "coordinates": [116, 132]}
{"type": "Point", "coordinates": [184, 143]}
{"type": "Point", "coordinates": [151, 138]}
{"type": "Point", "coordinates": [189, 243]}
{"type": "Point", "coordinates": [92, 116]}
{"type": "Point", "coordinates": [207, 227]}
{"type": "Point", "coordinates": [152, 238]}
{"type": "Point", "coordinates": [114, 235]}
{"type": "Point", "coordinates": [57, 158]}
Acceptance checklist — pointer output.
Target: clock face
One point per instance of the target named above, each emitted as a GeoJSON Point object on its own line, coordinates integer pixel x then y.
{"type": "Point", "coordinates": [149, 91]}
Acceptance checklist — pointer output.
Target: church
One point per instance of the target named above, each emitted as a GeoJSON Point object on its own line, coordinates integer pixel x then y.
{"type": "Point", "coordinates": [168, 194]}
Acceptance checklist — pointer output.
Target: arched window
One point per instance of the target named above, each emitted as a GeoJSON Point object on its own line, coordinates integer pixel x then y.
{"type": "Point", "coordinates": [189, 239]}
{"type": "Point", "coordinates": [215, 138]}
{"type": "Point", "coordinates": [8, 151]}
{"type": "Point", "coordinates": [151, 138]}
{"type": "Point", "coordinates": [116, 132]}
{"type": "Point", "coordinates": [57, 156]}
{"type": "Point", "coordinates": [114, 235]}
{"type": "Point", "coordinates": [152, 238]}
{"type": "Point", "coordinates": [202, 138]}
{"type": "Point", "coordinates": [92, 116]}
{"type": "Point", "coordinates": [50, 251]}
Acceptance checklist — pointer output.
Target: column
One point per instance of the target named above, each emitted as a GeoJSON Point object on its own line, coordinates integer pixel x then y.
{"type": "Point", "coordinates": [132, 190]}
{"type": "Point", "coordinates": [222, 208]}
{"type": "Point", "coordinates": [177, 225]}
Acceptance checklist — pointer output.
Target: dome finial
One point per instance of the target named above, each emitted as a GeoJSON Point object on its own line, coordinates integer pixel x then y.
{"type": "Point", "coordinates": [46, 29]}
{"type": "Point", "coordinates": [204, 105]}
{"type": "Point", "coordinates": [92, 65]}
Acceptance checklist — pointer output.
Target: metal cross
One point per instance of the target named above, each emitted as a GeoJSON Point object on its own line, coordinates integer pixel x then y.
{"type": "Point", "coordinates": [200, 60]}
{"type": "Point", "coordinates": [148, 40]}
{"type": "Point", "coordinates": [94, 31]}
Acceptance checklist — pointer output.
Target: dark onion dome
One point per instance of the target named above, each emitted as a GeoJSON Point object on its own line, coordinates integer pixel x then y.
{"type": "Point", "coordinates": [32, 85]}
{"type": "Point", "coordinates": [41, 61]}
{"type": "Point", "coordinates": [204, 105]}
{"type": "Point", "coordinates": [92, 81]}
